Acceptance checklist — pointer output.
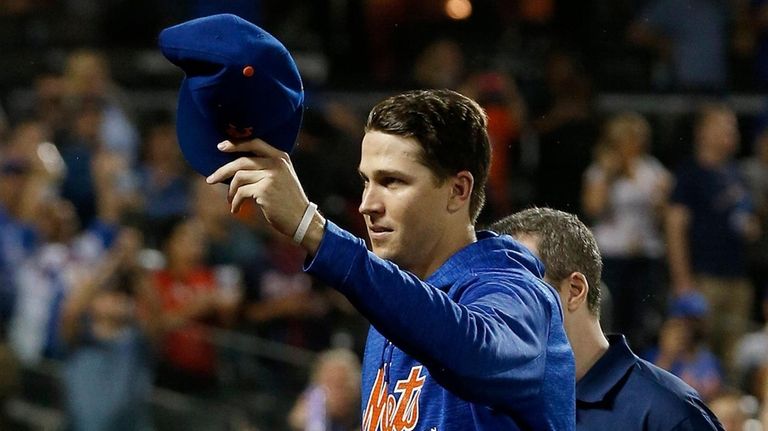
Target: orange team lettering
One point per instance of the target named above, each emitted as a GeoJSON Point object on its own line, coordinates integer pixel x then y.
{"type": "Point", "coordinates": [385, 413]}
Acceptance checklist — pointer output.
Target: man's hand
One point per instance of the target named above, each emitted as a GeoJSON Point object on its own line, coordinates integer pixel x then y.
{"type": "Point", "coordinates": [269, 178]}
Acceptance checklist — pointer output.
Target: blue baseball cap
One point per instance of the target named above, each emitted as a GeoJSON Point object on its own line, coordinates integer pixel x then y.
{"type": "Point", "coordinates": [692, 305]}
{"type": "Point", "coordinates": [240, 83]}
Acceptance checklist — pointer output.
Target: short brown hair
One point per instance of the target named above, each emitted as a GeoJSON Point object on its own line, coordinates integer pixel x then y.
{"type": "Point", "coordinates": [565, 246]}
{"type": "Point", "coordinates": [452, 130]}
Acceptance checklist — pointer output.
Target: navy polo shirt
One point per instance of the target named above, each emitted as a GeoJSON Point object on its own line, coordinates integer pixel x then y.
{"type": "Point", "coordinates": [623, 392]}
{"type": "Point", "coordinates": [718, 200]}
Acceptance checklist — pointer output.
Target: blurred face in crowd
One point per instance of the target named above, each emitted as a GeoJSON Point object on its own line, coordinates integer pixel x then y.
{"type": "Point", "coordinates": [162, 148]}
{"type": "Point", "coordinates": [13, 177]}
{"type": "Point", "coordinates": [403, 203]}
{"type": "Point", "coordinates": [677, 335]}
{"type": "Point", "coordinates": [88, 121]}
{"type": "Point", "coordinates": [186, 246]}
{"type": "Point", "coordinates": [341, 382]}
{"type": "Point", "coordinates": [26, 137]}
{"type": "Point", "coordinates": [628, 134]}
{"type": "Point", "coordinates": [58, 221]}
{"type": "Point", "coordinates": [112, 307]}
{"type": "Point", "coordinates": [727, 408]}
{"type": "Point", "coordinates": [87, 74]}
{"type": "Point", "coordinates": [718, 132]}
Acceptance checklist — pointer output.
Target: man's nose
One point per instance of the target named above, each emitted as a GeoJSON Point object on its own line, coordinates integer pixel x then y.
{"type": "Point", "coordinates": [371, 202]}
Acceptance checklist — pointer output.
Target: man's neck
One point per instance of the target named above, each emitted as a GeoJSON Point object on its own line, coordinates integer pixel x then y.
{"type": "Point", "coordinates": [589, 347]}
{"type": "Point", "coordinates": [445, 249]}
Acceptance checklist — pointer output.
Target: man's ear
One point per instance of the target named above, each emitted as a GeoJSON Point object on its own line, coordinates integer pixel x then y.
{"type": "Point", "coordinates": [578, 289]}
{"type": "Point", "coordinates": [461, 190]}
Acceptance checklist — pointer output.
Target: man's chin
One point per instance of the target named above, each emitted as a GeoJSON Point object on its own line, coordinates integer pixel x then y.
{"type": "Point", "coordinates": [382, 252]}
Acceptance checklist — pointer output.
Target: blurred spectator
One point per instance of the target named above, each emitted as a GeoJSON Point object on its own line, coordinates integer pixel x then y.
{"type": "Point", "coordinates": [625, 190]}
{"type": "Point", "coordinates": [498, 94]}
{"type": "Point", "coordinates": [755, 172]}
{"type": "Point", "coordinates": [567, 130]}
{"type": "Point", "coordinates": [29, 170]}
{"type": "Point", "coordinates": [18, 238]}
{"type": "Point", "coordinates": [691, 41]}
{"type": "Point", "coordinates": [49, 102]}
{"type": "Point", "coordinates": [285, 305]}
{"type": "Point", "coordinates": [709, 222]}
{"type": "Point", "coordinates": [728, 408]}
{"type": "Point", "coordinates": [79, 145]}
{"type": "Point", "coordinates": [191, 304]}
{"type": "Point", "coordinates": [332, 399]}
{"type": "Point", "coordinates": [230, 242]}
{"type": "Point", "coordinates": [108, 324]}
{"type": "Point", "coordinates": [46, 277]}
{"type": "Point", "coordinates": [29, 147]}
{"type": "Point", "coordinates": [115, 187]}
{"type": "Point", "coordinates": [87, 76]}
{"type": "Point", "coordinates": [683, 348]}
{"type": "Point", "coordinates": [751, 355]}
{"type": "Point", "coordinates": [163, 178]}
{"type": "Point", "coordinates": [755, 169]}
{"type": "Point", "coordinates": [44, 280]}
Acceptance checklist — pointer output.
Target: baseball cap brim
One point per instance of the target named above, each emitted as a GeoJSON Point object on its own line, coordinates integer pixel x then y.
{"type": "Point", "coordinates": [198, 136]}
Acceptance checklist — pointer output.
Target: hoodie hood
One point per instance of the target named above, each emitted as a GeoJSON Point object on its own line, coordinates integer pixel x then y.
{"type": "Point", "coordinates": [490, 252]}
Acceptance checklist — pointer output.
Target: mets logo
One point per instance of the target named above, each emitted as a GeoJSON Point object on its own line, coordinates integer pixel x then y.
{"type": "Point", "coordinates": [386, 413]}
{"type": "Point", "coordinates": [235, 132]}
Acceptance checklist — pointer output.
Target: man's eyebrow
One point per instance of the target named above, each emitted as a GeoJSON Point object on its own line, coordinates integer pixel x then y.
{"type": "Point", "coordinates": [389, 173]}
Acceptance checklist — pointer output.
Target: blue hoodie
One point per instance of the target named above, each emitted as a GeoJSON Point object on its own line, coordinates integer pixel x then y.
{"type": "Point", "coordinates": [479, 346]}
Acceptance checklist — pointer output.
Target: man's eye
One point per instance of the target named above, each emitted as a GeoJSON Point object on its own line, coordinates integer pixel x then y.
{"type": "Point", "coordinates": [391, 181]}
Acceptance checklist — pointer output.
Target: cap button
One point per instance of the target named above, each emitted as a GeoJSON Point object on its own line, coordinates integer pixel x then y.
{"type": "Point", "coordinates": [248, 71]}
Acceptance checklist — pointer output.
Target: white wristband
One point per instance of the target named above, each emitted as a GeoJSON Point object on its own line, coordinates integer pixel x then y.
{"type": "Point", "coordinates": [304, 224]}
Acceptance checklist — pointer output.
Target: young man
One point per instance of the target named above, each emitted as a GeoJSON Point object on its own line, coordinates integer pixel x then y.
{"type": "Point", "coordinates": [465, 335]}
{"type": "Point", "coordinates": [709, 223]}
{"type": "Point", "coordinates": [613, 386]}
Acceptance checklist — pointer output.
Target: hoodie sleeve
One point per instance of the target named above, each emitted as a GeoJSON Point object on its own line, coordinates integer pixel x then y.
{"type": "Point", "coordinates": [489, 347]}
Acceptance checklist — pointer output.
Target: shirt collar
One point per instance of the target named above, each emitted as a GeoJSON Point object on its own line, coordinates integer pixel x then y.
{"type": "Point", "coordinates": [607, 372]}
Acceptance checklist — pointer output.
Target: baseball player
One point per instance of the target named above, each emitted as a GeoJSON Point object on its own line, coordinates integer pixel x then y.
{"type": "Point", "coordinates": [465, 335]}
{"type": "Point", "coordinates": [615, 389]}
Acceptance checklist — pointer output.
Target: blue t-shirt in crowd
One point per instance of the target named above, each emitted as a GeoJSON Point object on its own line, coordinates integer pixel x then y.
{"type": "Point", "coordinates": [479, 346]}
{"type": "Point", "coordinates": [624, 389]}
{"type": "Point", "coordinates": [717, 200]}
{"type": "Point", "coordinates": [108, 383]}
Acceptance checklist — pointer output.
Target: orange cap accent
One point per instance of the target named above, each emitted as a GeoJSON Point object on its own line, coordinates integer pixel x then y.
{"type": "Point", "coordinates": [248, 71]}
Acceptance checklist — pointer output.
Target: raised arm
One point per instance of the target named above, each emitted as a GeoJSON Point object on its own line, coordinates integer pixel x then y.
{"type": "Point", "coordinates": [677, 224]}
{"type": "Point", "coordinates": [493, 336]}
